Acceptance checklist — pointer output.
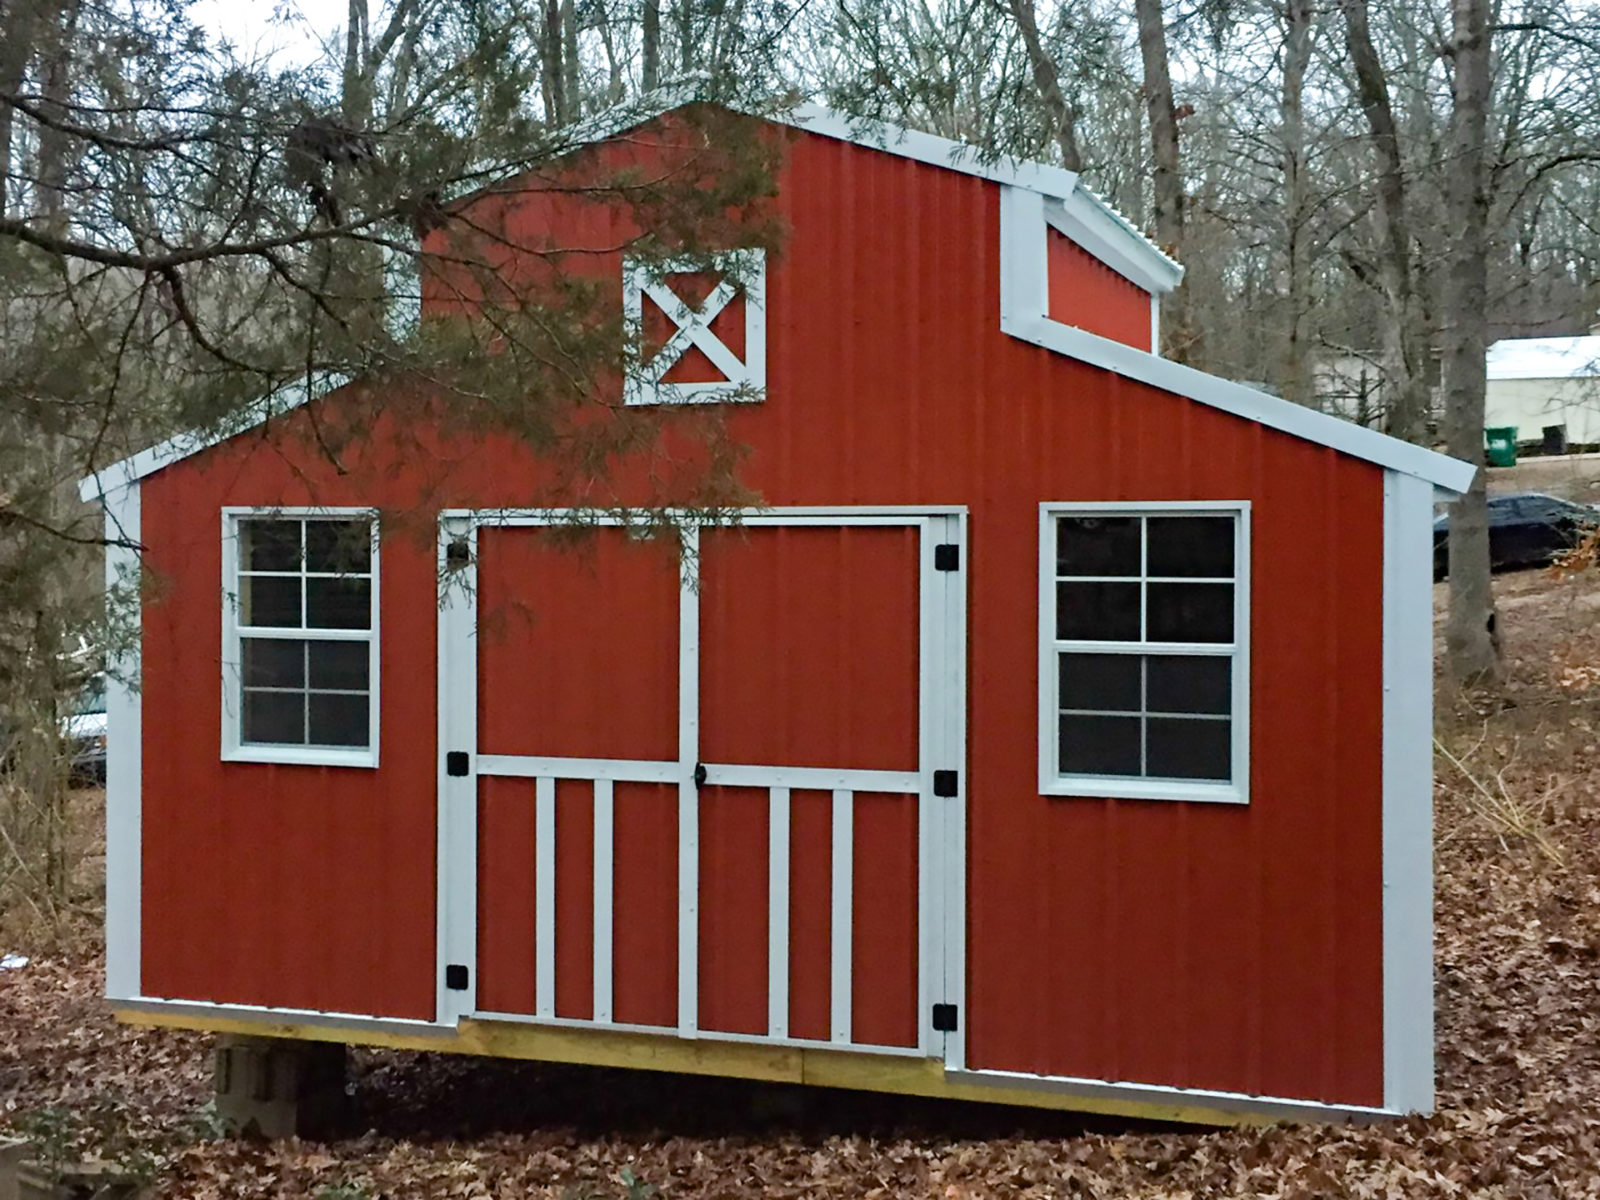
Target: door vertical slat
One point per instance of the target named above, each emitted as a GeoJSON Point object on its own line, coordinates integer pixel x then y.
{"type": "Point", "coordinates": [603, 872]}
{"type": "Point", "coordinates": [544, 849]}
{"type": "Point", "coordinates": [778, 913]}
{"type": "Point", "coordinates": [843, 912]}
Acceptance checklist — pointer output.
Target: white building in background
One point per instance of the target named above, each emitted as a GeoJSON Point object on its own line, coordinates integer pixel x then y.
{"type": "Point", "coordinates": [1540, 384]}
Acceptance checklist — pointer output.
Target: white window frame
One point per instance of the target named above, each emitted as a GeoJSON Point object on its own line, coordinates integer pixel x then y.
{"type": "Point", "coordinates": [744, 271]}
{"type": "Point", "coordinates": [234, 748]}
{"type": "Point", "coordinates": [1051, 781]}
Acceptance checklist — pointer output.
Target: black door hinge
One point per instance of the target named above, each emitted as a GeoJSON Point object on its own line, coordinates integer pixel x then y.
{"type": "Point", "coordinates": [947, 557]}
{"type": "Point", "coordinates": [455, 762]}
{"type": "Point", "coordinates": [457, 554]}
{"type": "Point", "coordinates": [455, 977]}
{"type": "Point", "coordinates": [699, 775]}
{"type": "Point", "coordinates": [945, 783]}
{"type": "Point", "coordinates": [944, 1018]}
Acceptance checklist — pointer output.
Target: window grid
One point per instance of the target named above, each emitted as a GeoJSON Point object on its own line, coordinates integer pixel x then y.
{"type": "Point", "coordinates": [1144, 647]}
{"type": "Point", "coordinates": [241, 634]}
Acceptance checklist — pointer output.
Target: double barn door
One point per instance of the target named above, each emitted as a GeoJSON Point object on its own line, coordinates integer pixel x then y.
{"type": "Point", "coordinates": [705, 783]}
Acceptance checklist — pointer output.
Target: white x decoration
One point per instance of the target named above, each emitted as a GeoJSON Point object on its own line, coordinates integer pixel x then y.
{"type": "Point", "coordinates": [743, 270]}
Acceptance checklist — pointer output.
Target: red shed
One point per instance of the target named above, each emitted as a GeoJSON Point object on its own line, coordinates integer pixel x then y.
{"type": "Point", "coordinates": [1056, 731]}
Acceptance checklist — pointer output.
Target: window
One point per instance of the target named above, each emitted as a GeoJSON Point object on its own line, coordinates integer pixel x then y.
{"type": "Point", "coordinates": [300, 646]}
{"type": "Point", "coordinates": [1144, 671]}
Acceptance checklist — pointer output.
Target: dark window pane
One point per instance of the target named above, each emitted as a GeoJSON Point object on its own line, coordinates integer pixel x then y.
{"type": "Point", "coordinates": [1190, 546]}
{"type": "Point", "coordinates": [338, 720]}
{"type": "Point", "coordinates": [339, 603]}
{"type": "Point", "coordinates": [1190, 612]}
{"type": "Point", "coordinates": [341, 666]}
{"type": "Point", "coordinates": [1104, 612]}
{"type": "Point", "coordinates": [342, 546]}
{"type": "Point", "coordinates": [269, 545]}
{"type": "Point", "coordinates": [1099, 745]}
{"type": "Point", "coordinates": [274, 662]}
{"type": "Point", "coordinates": [1103, 682]}
{"type": "Point", "coordinates": [1189, 684]}
{"type": "Point", "coordinates": [278, 717]}
{"type": "Point", "coordinates": [1097, 546]}
{"type": "Point", "coordinates": [1189, 749]}
{"type": "Point", "coordinates": [269, 600]}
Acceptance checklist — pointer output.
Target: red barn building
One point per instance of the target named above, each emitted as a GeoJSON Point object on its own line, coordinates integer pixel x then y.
{"type": "Point", "coordinates": [1056, 732]}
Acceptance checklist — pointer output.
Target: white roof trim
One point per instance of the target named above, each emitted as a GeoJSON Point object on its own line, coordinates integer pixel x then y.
{"type": "Point", "coordinates": [1024, 315]}
{"type": "Point", "coordinates": [147, 462]}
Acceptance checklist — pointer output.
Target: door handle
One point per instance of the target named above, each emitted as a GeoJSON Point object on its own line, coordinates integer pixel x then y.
{"type": "Point", "coordinates": [699, 775]}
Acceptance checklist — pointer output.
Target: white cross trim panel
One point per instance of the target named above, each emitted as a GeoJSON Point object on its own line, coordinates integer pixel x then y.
{"type": "Point", "coordinates": [743, 272]}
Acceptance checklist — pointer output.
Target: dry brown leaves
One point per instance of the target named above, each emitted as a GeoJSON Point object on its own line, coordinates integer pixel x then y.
{"type": "Point", "coordinates": [1519, 1060]}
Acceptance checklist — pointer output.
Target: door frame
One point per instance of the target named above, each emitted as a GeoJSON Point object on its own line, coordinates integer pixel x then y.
{"type": "Point", "coordinates": [941, 824]}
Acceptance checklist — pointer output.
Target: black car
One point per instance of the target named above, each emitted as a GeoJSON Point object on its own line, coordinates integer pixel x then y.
{"type": "Point", "coordinates": [1526, 529]}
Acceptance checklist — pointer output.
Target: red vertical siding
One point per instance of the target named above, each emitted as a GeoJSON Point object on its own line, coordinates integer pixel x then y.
{"type": "Point", "coordinates": [1232, 947]}
{"type": "Point", "coordinates": [1087, 293]}
{"type": "Point", "coordinates": [507, 891]}
{"type": "Point", "coordinates": [810, 914]}
{"type": "Point", "coordinates": [733, 909]}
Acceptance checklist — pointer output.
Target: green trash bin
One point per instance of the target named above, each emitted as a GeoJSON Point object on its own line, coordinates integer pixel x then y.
{"type": "Point", "coordinates": [1501, 441]}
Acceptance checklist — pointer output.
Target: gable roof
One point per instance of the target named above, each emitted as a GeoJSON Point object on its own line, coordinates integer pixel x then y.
{"type": "Point", "coordinates": [1051, 195]}
{"type": "Point", "coordinates": [1545, 358]}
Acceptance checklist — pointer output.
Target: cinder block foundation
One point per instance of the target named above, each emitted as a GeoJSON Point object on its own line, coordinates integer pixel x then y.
{"type": "Point", "coordinates": [275, 1088]}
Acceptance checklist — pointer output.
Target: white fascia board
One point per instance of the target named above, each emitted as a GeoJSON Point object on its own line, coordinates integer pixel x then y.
{"type": "Point", "coordinates": [124, 749]}
{"type": "Point", "coordinates": [147, 462]}
{"type": "Point", "coordinates": [1097, 228]}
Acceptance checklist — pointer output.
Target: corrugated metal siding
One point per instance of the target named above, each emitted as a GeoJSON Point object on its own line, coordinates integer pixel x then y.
{"type": "Point", "coordinates": [1205, 946]}
{"type": "Point", "coordinates": [1087, 293]}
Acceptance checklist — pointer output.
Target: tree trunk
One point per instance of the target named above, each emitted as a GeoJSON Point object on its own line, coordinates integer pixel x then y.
{"type": "Point", "coordinates": [1166, 175]}
{"type": "Point", "coordinates": [55, 149]}
{"type": "Point", "coordinates": [1405, 343]}
{"type": "Point", "coordinates": [1047, 80]}
{"type": "Point", "coordinates": [16, 49]}
{"type": "Point", "coordinates": [1297, 378]}
{"type": "Point", "coordinates": [553, 76]}
{"type": "Point", "coordinates": [1470, 635]}
{"type": "Point", "coordinates": [651, 70]}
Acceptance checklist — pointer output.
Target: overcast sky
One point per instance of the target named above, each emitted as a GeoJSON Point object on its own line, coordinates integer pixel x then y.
{"type": "Point", "coordinates": [259, 26]}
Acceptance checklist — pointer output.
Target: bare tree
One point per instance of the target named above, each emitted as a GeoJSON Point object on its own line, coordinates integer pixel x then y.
{"type": "Point", "coordinates": [1166, 170]}
{"type": "Point", "coordinates": [1048, 82]}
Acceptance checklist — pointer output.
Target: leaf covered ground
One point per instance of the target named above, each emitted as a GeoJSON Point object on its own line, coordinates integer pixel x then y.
{"type": "Point", "coordinates": [1518, 994]}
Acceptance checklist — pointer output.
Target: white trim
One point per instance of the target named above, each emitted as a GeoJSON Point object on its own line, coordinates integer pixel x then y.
{"type": "Point", "coordinates": [952, 880]}
{"type": "Point", "coordinates": [1024, 314]}
{"type": "Point", "coordinates": [688, 790]}
{"type": "Point", "coordinates": [744, 272]}
{"type": "Point", "coordinates": [456, 883]}
{"type": "Point", "coordinates": [124, 748]}
{"type": "Point", "coordinates": [614, 770]}
{"type": "Point", "coordinates": [234, 747]}
{"type": "Point", "coordinates": [821, 779]}
{"type": "Point", "coordinates": [1155, 325]}
{"type": "Point", "coordinates": [147, 462]}
{"type": "Point", "coordinates": [778, 823]}
{"type": "Point", "coordinates": [1407, 794]}
{"type": "Point", "coordinates": [1276, 1107]}
{"type": "Point", "coordinates": [704, 1035]}
{"type": "Point", "coordinates": [544, 896]}
{"type": "Point", "coordinates": [1092, 229]}
{"type": "Point", "coordinates": [841, 943]}
{"type": "Point", "coordinates": [1051, 781]}
{"type": "Point", "coordinates": [604, 867]}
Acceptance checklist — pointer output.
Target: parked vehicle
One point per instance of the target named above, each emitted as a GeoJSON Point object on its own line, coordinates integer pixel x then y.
{"type": "Point", "coordinates": [84, 732]}
{"type": "Point", "coordinates": [1526, 529]}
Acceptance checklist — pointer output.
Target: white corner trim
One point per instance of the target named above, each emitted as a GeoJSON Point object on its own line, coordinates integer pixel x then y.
{"type": "Point", "coordinates": [147, 462]}
{"type": "Point", "coordinates": [1407, 794]}
{"type": "Point", "coordinates": [1024, 314]}
{"type": "Point", "coordinates": [124, 750]}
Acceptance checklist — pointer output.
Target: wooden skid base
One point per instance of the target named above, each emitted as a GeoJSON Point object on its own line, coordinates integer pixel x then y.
{"type": "Point", "coordinates": [776, 1064]}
